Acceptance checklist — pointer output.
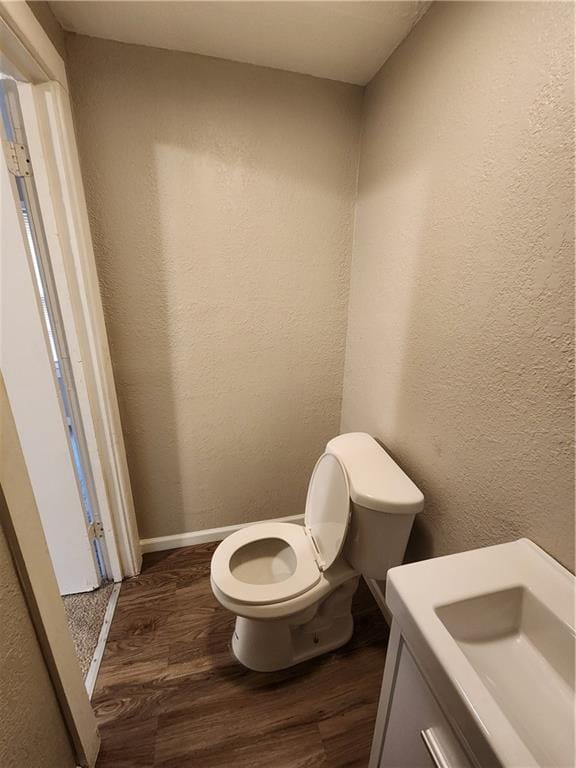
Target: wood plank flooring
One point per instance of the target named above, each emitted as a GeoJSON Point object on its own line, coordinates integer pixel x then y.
{"type": "Point", "coordinates": [170, 693]}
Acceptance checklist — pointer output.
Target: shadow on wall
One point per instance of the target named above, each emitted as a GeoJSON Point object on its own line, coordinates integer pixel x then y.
{"type": "Point", "coordinates": [221, 201]}
{"type": "Point", "coordinates": [461, 323]}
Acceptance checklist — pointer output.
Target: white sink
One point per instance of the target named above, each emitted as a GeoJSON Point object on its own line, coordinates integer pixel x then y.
{"type": "Point", "coordinates": [496, 626]}
{"type": "Point", "coordinates": [524, 655]}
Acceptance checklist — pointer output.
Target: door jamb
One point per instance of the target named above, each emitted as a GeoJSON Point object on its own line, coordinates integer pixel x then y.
{"type": "Point", "coordinates": [27, 53]}
{"type": "Point", "coordinates": [21, 32]}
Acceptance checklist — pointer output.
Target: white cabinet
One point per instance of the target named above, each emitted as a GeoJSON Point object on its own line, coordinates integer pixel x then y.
{"type": "Point", "coordinates": [411, 728]}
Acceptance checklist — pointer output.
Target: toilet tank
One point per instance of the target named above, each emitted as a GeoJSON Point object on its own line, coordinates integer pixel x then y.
{"type": "Point", "coordinates": [384, 503]}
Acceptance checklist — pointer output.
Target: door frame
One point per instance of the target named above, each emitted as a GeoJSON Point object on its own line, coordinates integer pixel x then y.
{"type": "Point", "coordinates": [29, 55]}
{"type": "Point", "coordinates": [41, 393]}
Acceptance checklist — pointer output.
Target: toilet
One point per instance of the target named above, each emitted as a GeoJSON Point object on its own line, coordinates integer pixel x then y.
{"type": "Point", "coordinates": [291, 586]}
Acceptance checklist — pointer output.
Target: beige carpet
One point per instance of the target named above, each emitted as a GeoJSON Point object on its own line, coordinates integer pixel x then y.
{"type": "Point", "coordinates": [85, 614]}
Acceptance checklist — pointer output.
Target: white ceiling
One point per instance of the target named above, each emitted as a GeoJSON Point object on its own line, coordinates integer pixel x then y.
{"type": "Point", "coordinates": [346, 41]}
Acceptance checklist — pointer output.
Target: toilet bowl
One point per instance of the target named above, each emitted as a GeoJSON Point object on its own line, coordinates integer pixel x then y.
{"type": "Point", "coordinates": [291, 586]}
{"type": "Point", "coordinates": [265, 564]}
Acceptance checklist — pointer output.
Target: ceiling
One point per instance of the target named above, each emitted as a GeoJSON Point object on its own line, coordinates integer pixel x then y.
{"type": "Point", "coordinates": [346, 41]}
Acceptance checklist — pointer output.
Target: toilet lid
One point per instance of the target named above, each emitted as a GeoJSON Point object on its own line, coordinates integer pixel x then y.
{"type": "Point", "coordinates": [328, 507]}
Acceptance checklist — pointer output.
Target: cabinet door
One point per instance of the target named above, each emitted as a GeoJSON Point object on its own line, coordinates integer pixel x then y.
{"type": "Point", "coordinates": [417, 733]}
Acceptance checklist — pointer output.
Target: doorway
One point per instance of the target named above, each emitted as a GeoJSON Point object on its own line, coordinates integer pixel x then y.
{"type": "Point", "coordinates": [41, 383]}
{"type": "Point", "coordinates": [40, 480]}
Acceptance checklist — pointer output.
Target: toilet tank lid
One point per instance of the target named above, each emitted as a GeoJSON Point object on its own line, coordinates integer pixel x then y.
{"type": "Point", "coordinates": [376, 481]}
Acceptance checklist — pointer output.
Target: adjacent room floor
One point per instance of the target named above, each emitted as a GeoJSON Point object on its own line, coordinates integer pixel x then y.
{"type": "Point", "coordinates": [170, 693]}
{"type": "Point", "coordinates": [85, 613]}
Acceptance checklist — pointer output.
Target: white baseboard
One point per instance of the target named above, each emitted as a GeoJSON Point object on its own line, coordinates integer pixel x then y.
{"type": "Point", "coordinates": [191, 538]}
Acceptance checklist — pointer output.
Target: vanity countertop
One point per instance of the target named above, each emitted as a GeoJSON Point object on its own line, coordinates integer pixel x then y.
{"type": "Point", "coordinates": [493, 630]}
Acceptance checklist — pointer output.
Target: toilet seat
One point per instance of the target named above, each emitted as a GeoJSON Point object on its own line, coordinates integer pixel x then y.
{"type": "Point", "coordinates": [306, 573]}
{"type": "Point", "coordinates": [268, 573]}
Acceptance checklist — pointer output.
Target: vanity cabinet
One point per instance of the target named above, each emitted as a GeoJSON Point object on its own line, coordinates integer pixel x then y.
{"type": "Point", "coordinates": [412, 730]}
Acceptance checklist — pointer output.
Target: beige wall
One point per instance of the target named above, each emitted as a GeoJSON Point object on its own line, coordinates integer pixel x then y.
{"type": "Point", "coordinates": [32, 731]}
{"type": "Point", "coordinates": [221, 199]}
{"type": "Point", "coordinates": [460, 323]}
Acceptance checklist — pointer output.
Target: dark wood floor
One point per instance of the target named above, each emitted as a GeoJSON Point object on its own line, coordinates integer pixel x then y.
{"type": "Point", "coordinates": [170, 693]}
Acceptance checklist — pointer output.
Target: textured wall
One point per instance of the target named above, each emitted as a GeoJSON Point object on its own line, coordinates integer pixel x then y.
{"type": "Point", "coordinates": [460, 323]}
{"type": "Point", "coordinates": [32, 731]}
{"type": "Point", "coordinates": [221, 200]}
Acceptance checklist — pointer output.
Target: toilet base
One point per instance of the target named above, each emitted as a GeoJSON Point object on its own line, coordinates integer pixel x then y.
{"type": "Point", "coordinates": [266, 646]}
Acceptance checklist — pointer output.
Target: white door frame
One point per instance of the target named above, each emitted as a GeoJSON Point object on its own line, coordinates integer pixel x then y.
{"type": "Point", "coordinates": [27, 365]}
{"type": "Point", "coordinates": [27, 49]}
{"type": "Point", "coordinates": [27, 54]}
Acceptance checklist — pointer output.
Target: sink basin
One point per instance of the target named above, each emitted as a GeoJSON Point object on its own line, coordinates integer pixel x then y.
{"type": "Point", "coordinates": [524, 654]}
{"type": "Point", "coordinates": [494, 630]}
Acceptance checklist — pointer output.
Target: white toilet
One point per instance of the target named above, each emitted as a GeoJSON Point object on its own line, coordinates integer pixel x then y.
{"type": "Point", "coordinates": [291, 586]}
